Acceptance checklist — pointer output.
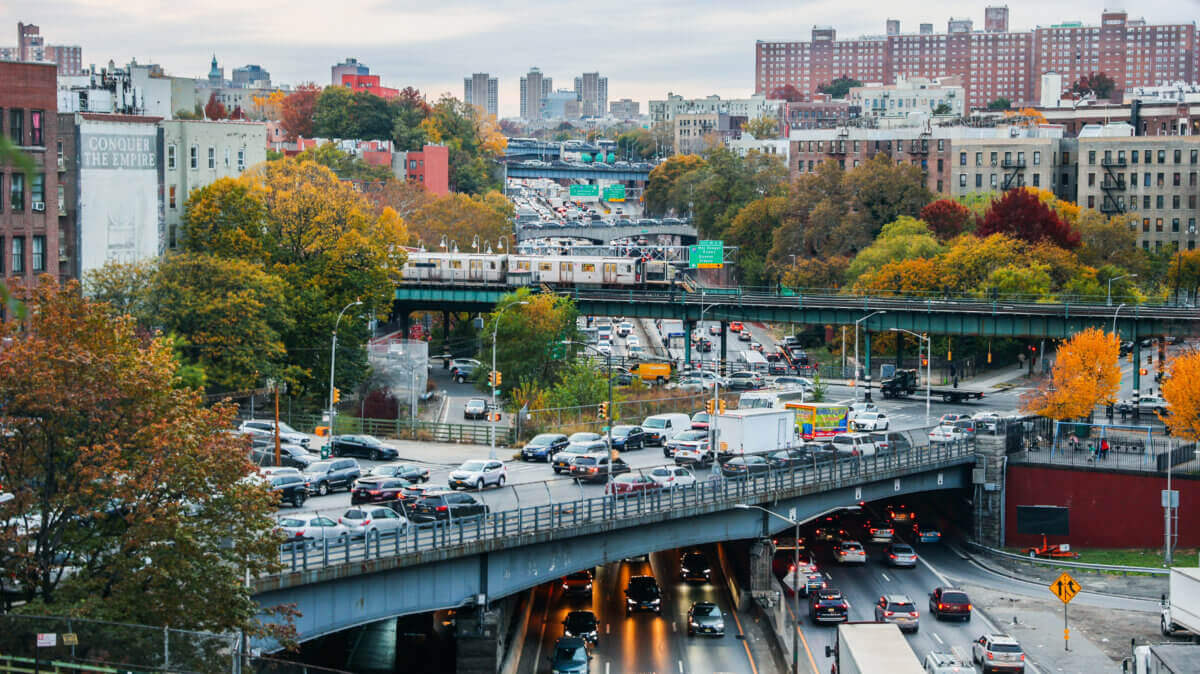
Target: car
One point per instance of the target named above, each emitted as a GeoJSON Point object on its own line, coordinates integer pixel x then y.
{"type": "Point", "coordinates": [597, 467]}
{"type": "Point", "coordinates": [988, 422]}
{"type": "Point", "coordinates": [926, 533]}
{"type": "Point", "coordinates": [968, 427]}
{"type": "Point", "coordinates": [290, 456]}
{"type": "Point", "coordinates": [323, 477]}
{"type": "Point", "coordinates": [744, 336]}
{"type": "Point", "coordinates": [736, 326]}
{"type": "Point", "coordinates": [630, 484]}
{"type": "Point", "coordinates": [625, 328]}
{"type": "Point", "coordinates": [789, 382]}
{"type": "Point", "coordinates": [363, 446]}
{"type": "Point", "coordinates": [604, 348]}
{"type": "Point", "coordinates": [1145, 404]}
{"type": "Point", "coordinates": [408, 471]}
{"type": "Point", "coordinates": [705, 617]}
{"type": "Point", "coordinates": [377, 489]}
{"type": "Point", "coordinates": [870, 421]}
{"type": "Point", "coordinates": [689, 447]}
{"type": "Point", "coordinates": [776, 367]}
{"type": "Point", "coordinates": [289, 489]}
{"type": "Point", "coordinates": [850, 552]}
{"type": "Point", "coordinates": [564, 458]}
{"type": "Point", "coordinates": [949, 418]}
{"type": "Point", "coordinates": [998, 653]}
{"type": "Point", "coordinates": [745, 381]}
{"type": "Point", "coordinates": [478, 473]}
{"type": "Point", "coordinates": [878, 532]}
{"type": "Point", "coordinates": [901, 555]}
{"type": "Point", "coordinates": [755, 346]}
{"type": "Point", "coordinates": [265, 428]}
{"type": "Point", "coordinates": [582, 624]}
{"type": "Point", "coordinates": [543, 447]}
{"type": "Point", "coordinates": [584, 436]}
{"type": "Point", "coordinates": [312, 528]}
{"type": "Point", "coordinates": [570, 656]}
{"type": "Point", "coordinates": [642, 594]}
{"type": "Point", "coordinates": [694, 567]}
{"type": "Point", "coordinates": [362, 522]}
{"type": "Point", "coordinates": [462, 369]}
{"type": "Point", "coordinates": [632, 340]}
{"type": "Point", "coordinates": [271, 471]}
{"type": "Point", "coordinates": [445, 505]}
{"type": "Point", "coordinates": [661, 427]}
{"type": "Point", "coordinates": [899, 610]}
{"type": "Point", "coordinates": [740, 467]}
{"type": "Point", "coordinates": [701, 420]}
{"type": "Point", "coordinates": [475, 408]}
{"type": "Point", "coordinates": [628, 438]}
{"type": "Point", "coordinates": [948, 602]}
{"type": "Point", "coordinates": [714, 329]}
{"type": "Point", "coordinates": [946, 435]}
{"type": "Point", "coordinates": [940, 662]}
{"type": "Point", "coordinates": [853, 444]}
{"type": "Point", "coordinates": [578, 584]}
{"type": "Point", "coordinates": [899, 513]}
{"type": "Point", "coordinates": [828, 606]}
{"type": "Point", "coordinates": [673, 477]}
{"type": "Point", "coordinates": [704, 345]}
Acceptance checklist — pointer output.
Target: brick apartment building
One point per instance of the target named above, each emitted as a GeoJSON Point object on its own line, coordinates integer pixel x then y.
{"type": "Point", "coordinates": [994, 62]}
{"type": "Point", "coordinates": [29, 234]}
{"type": "Point", "coordinates": [430, 167]}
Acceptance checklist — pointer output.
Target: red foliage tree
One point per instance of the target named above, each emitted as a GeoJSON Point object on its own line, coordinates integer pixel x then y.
{"type": "Point", "coordinates": [788, 93]}
{"type": "Point", "coordinates": [1020, 214]}
{"type": "Point", "coordinates": [214, 109]}
{"type": "Point", "coordinates": [946, 217]}
{"type": "Point", "coordinates": [296, 111]}
{"type": "Point", "coordinates": [237, 113]}
{"type": "Point", "coordinates": [411, 97]}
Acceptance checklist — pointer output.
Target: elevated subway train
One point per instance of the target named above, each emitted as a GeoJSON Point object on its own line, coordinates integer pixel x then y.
{"type": "Point", "coordinates": [558, 271]}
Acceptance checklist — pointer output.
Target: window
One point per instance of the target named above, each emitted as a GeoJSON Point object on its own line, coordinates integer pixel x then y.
{"type": "Point", "coordinates": [1192, 179]}
{"type": "Point", "coordinates": [241, 159]}
{"type": "Point", "coordinates": [941, 147]}
{"type": "Point", "coordinates": [1091, 179]}
{"type": "Point", "coordinates": [226, 157]}
{"type": "Point", "coordinates": [1158, 224]}
{"type": "Point", "coordinates": [1161, 179]}
{"type": "Point", "coordinates": [1148, 156]}
{"type": "Point", "coordinates": [60, 154]}
{"type": "Point", "coordinates": [1146, 177]}
{"type": "Point", "coordinates": [194, 157]}
{"type": "Point", "coordinates": [1037, 158]}
{"type": "Point", "coordinates": [38, 258]}
{"type": "Point", "coordinates": [36, 118]}
{"type": "Point", "coordinates": [171, 196]}
{"type": "Point", "coordinates": [1134, 156]}
{"type": "Point", "coordinates": [18, 255]}
{"type": "Point", "coordinates": [1091, 156]}
{"type": "Point", "coordinates": [1191, 225]}
{"type": "Point", "coordinates": [978, 180]}
{"type": "Point", "coordinates": [1066, 177]}
{"type": "Point", "coordinates": [1159, 202]}
{"type": "Point", "coordinates": [1177, 180]}
{"type": "Point", "coordinates": [1162, 156]}
{"type": "Point", "coordinates": [993, 181]}
{"type": "Point", "coordinates": [171, 157]}
{"type": "Point", "coordinates": [1146, 202]}
{"type": "Point", "coordinates": [1120, 156]}
{"type": "Point", "coordinates": [1178, 156]}
{"type": "Point", "coordinates": [1174, 224]}
{"type": "Point", "coordinates": [37, 189]}
{"type": "Point", "coordinates": [941, 165]}
{"type": "Point", "coordinates": [1091, 201]}
{"type": "Point", "coordinates": [962, 180]}
{"type": "Point", "coordinates": [993, 158]}
{"type": "Point", "coordinates": [939, 186]}
{"type": "Point", "coordinates": [62, 199]}
{"type": "Point", "coordinates": [16, 126]}
{"type": "Point", "coordinates": [212, 157]}
{"type": "Point", "coordinates": [1175, 202]}
{"type": "Point", "coordinates": [1192, 201]}
{"type": "Point", "coordinates": [16, 192]}
{"type": "Point", "coordinates": [962, 158]}
{"type": "Point", "coordinates": [1195, 156]}
{"type": "Point", "coordinates": [979, 159]}
{"type": "Point", "coordinates": [1145, 224]}
{"type": "Point", "coordinates": [1037, 180]}
{"type": "Point", "coordinates": [1066, 158]}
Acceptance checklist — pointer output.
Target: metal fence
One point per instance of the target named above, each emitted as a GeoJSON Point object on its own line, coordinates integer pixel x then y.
{"type": "Point", "coordinates": [1032, 440]}
{"type": "Point", "coordinates": [431, 431]}
{"type": "Point", "coordinates": [619, 511]}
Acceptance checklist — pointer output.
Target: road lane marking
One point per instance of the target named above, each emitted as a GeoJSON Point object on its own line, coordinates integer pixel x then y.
{"type": "Point", "coordinates": [885, 576]}
{"type": "Point", "coordinates": [606, 666]}
{"type": "Point", "coordinates": [673, 627]}
{"type": "Point", "coordinates": [939, 639]}
{"type": "Point", "coordinates": [608, 628]}
{"type": "Point", "coordinates": [746, 643]}
{"type": "Point", "coordinates": [680, 666]}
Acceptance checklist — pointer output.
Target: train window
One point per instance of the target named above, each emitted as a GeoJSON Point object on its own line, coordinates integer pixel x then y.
{"type": "Point", "coordinates": [491, 264]}
{"type": "Point", "coordinates": [545, 266]}
{"type": "Point", "coordinates": [455, 264]}
{"type": "Point", "coordinates": [523, 265]}
{"type": "Point", "coordinates": [564, 266]}
{"type": "Point", "coordinates": [589, 267]}
{"type": "Point", "coordinates": [625, 268]}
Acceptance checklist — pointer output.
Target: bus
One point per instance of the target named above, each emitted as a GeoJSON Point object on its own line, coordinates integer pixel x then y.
{"type": "Point", "coordinates": [769, 399]}
{"type": "Point", "coordinates": [820, 420]}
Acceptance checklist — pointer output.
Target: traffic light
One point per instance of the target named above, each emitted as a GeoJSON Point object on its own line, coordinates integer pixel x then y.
{"type": "Point", "coordinates": [1143, 371]}
{"type": "Point", "coordinates": [337, 396]}
{"type": "Point", "coordinates": [498, 379]}
{"type": "Point", "coordinates": [603, 412]}
{"type": "Point", "coordinates": [722, 407]}
{"type": "Point", "coordinates": [924, 361]}
{"type": "Point", "coordinates": [710, 406]}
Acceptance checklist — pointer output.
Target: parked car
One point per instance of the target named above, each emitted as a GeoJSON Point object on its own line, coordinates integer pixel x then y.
{"type": "Point", "coordinates": [673, 477]}
{"type": "Point", "coordinates": [462, 369]}
{"type": "Point", "coordinates": [364, 446]}
{"type": "Point", "coordinates": [628, 438]}
{"type": "Point", "coordinates": [362, 522]}
{"type": "Point", "coordinates": [947, 602]}
{"type": "Point", "coordinates": [289, 489]}
{"type": "Point", "coordinates": [899, 610]}
{"type": "Point", "coordinates": [446, 505]}
{"type": "Point", "coordinates": [705, 617]}
{"type": "Point", "coordinates": [578, 584]}
{"type": "Point", "coordinates": [266, 428]}
{"type": "Point", "coordinates": [478, 473]}
{"type": "Point", "coordinates": [870, 421]}
{"type": "Point", "coordinates": [901, 555]}
{"type": "Point", "coordinates": [409, 471]}
{"type": "Point", "coordinates": [323, 477]}
{"type": "Point", "coordinates": [629, 484]}
{"type": "Point", "coordinates": [311, 528]}
{"type": "Point", "coordinates": [543, 447]}
{"type": "Point", "coordinates": [744, 466]}
{"type": "Point", "coordinates": [597, 468]}
{"type": "Point", "coordinates": [828, 606]}
{"type": "Point", "coordinates": [642, 594]}
{"type": "Point", "coordinates": [998, 653]}
{"type": "Point", "coordinates": [475, 408]}
{"type": "Point", "coordinates": [563, 459]}
{"type": "Point", "coordinates": [373, 489]}
{"type": "Point", "coordinates": [570, 656]}
{"type": "Point", "coordinates": [850, 552]}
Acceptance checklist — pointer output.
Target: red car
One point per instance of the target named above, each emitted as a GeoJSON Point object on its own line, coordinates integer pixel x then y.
{"type": "Point", "coordinates": [735, 326]}
{"type": "Point", "coordinates": [630, 483]}
{"type": "Point", "coordinates": [947, 602]}
{"type": "Point", "coordinates": [378, 489]}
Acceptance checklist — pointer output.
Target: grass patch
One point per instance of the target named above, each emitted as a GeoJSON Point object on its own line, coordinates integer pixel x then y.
{"type": "Point", "coordinates": [1151, 558]}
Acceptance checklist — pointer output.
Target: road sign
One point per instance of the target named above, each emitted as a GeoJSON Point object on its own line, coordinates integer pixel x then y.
{"type": "Point", "coordinates": [46, 639]}
{"type": "Point", "coordinates": [70, 639]}
{"type": "Point", "coordinates": [1065, 588]}
{"type": "Point", "coordinates": [707, 255]}
{"type": "Point", "coordinates": [614, 192]}
{"type": "Point", "coordinates": [584, 191]}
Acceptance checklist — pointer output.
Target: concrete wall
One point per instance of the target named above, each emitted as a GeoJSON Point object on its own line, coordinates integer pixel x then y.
{"type": "Point", "coordinates": [1109, 509]}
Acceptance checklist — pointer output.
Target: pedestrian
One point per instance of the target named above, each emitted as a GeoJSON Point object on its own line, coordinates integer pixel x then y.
{"type": "Point", "coordinates": [1103, 448]}
{"type": "Point", "coordinates": [1074, 442]}
{"type": "Point", "coordinates": [1091, 450]}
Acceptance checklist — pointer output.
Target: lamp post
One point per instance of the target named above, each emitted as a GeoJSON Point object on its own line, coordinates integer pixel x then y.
{"type": "Point", "coordinates": [1115, 314]}
{"type": "Point", "coordinates": [856, 364]}
{"type": "Point", "coordinates": [928, 363]}
{"type": "Point", "coordinates": [1116, 278]}
{"type": "Point", "coordinates": [491, 419]}
{"type": "Point", "coordinates": [608, 367]}
{"type": "Point", "coordinates": [277, 386]}
{"type": "Point", "coordinates": [332, 361]}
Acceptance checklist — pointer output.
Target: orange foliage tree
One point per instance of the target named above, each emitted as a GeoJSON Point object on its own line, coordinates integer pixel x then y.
{"type": "Point", "coordinates": [1181, 390]}
{"type": "Point", "coordinates": [1086, 373]}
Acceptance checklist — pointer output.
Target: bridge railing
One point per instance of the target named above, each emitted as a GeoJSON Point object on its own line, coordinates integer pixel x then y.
{"type": "Point", "coordinates": [621, 510]}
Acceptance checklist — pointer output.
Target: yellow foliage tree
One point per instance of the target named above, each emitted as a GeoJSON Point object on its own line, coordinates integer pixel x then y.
{"type": "Point", "coordinates": [1181, 390]}
{"type": "Point", "coordinates": [1086, 373]}
{"type": "Point", "coordinates": [1068, 211]}
{"type": "Point", "coordinates": [1026, 116]}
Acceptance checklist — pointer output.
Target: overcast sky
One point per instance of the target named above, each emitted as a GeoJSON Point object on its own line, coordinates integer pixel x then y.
{"type": "Point", "coordinates": [647, 48]}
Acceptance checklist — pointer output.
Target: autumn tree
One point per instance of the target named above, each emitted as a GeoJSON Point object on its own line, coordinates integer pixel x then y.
{"type": "Point", "coordinates": [814, 272]}
{"type": "Point", "coordinates": [270, 106]}
{"type": "Point", "coordinates": [816, 222]}
{"type": "Point", "coordinates": [296, 111]}
{"type": "Point", "coordinates": [403, 196]}
{"type": "Point", "coordinates": [132, 479]}
{"type": "Point", "coordinates": [1181, 390]}
{"type": "Point", "coordinates": [459, 218]}
{"type": "Point", "coordinates": [1098, 84]}
{"type": "Point", "coordinates": [1107, 240]}
{"type": "Point", "coordinates": [214, 109]}
{"type": "Point", "coordinates": [663, 178]}
{"type": "Point", "coordinates": [345, 165]}
{"type": "Point", "coordinates": [1086, 373]}
{"type": "Point", "coordinates": [1183, 276]}
{"type": "Point", "coordinates": [904, 239]}
{"type": "Point", "coordinates": [947, 218]}
{"type": "Point", "coordinates": [751, 231]}
{"type": "Point", "coordinates": [969, 260]}
{"type": "Point", "coordinates": [884, 190]}
{"type": "Point", "coordinates": [528, 337]}
{"type": "Point", "coordinates": [788, 93]}
{"type": "Point", "coordinates": [1021, 214]}
{"type": "Point", "coordinates": [762, 128]}
{"type": "Point", "coordinates": [907, 277]}
{"type": "Point", "coordinates": [237, 113]}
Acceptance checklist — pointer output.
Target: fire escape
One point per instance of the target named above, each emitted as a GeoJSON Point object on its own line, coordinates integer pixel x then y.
{"type": "Point", "coordinates": [1013, 176]}
{"type": "Point", "coordinates": [1112, 186]}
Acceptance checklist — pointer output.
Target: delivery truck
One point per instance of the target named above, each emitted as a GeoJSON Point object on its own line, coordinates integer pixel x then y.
{"type": "Point", "coordinates": [1181, 608]}
{"type": "Point", "coordinates": [754, 431]}
{"type": "Point", "coordinates": [820, 420]}
{"type": "Point", "coordinates": [872, 648]}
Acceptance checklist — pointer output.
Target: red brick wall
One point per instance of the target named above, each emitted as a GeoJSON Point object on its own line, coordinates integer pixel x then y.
{"type": "Point", "coordinates": [1109, 509]}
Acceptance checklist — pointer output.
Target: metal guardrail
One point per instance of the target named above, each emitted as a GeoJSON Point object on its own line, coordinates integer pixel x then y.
{"type": "Point", "coordinates": [1071, 565]}
{"type": "Point", "coordinates": [432, 431]}
{"type": "Point", "coordinates": [618, 511]}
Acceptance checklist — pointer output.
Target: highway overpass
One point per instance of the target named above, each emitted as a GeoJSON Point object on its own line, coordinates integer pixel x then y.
{"type": "Point", "coordinates": [589, 173]}
{"type": "Point", "coordinates": [604, 234]}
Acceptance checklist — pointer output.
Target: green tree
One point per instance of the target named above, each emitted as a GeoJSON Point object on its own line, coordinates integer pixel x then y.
{"type": "Point", "coordinates": [884, 191]}
{"type": "Point", "coordinates": [345, 166]}
{"type": "Point", "coordinates": [762, 128]}
{"type": "Point", "coordinates": [459, 218]}
{"type": "Point", "coordinates": [663, 179]}
{"type": "Point", "coordinates": [1000, 103]}
{"type": "Point", "coordinates": [839, 87]}
{"type": "Point", "coordinates": [904, 239]}
{"type": "Point", "coordinates": [124, 286]}
{"type": "Point", "coordinates": [1104, 240]}
{"type": "Point", "coordinates": [751, 231]}
{"type": "Point", "coordinates": [579, 384]}
{"type": "Point", "coordinates": [1027, 282]}
{"type": "Point", "coordinates": [331, 115]}
{"type": "Point", "coordinates": [529, 337]}
{"type": "Point", "coordinates": [818, 207]}
{"type": "Point", "coordinates": [942, 109]}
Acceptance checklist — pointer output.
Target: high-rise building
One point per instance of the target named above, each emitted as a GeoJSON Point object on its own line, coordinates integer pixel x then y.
{"type": "Point", "coordinates": [534, 87]}
{"type": "Point", "coordinates": [483, 92]}
{"type": "Point", "coordinates": [251, 77]}
{"type": "Point", "coordinates": [31, 46]}
{"type": "Point", "coordinates": [626, 108]}
{"type": "Point", "coordinates": [893, 27]}
{"type": "Point", "coordinates": [994, 63]}
{"type": "Point", "coordinates": [592, 91]}
{"type": "Point", "coordinates": [350, 66]}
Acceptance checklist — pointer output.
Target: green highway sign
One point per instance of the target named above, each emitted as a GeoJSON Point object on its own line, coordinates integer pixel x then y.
{"type": "Point", "coordinates": [614, 192]}
{"type": "Point", "coordinates": [585, 191]}
{"type": "Point", "coordinates": [707, 255]}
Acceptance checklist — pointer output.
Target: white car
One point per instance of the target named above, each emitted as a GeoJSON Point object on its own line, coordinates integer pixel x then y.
{"type": "Point", "coordinates": [364, 519]}
{"type": "Point", "coordinates": [869, 421]}
{"type": "Point", "coordinates": [635, 352]}
{"type": "Point", "coordinates": [312, 528]}
{"type": "Point", "coordinates": [673, 477]}
{"type": "Point", "coordinates": [689, 446]}
{"type": "Point", "coordinates": [946, 434]}
{"type": "Point", "coordinates": [850, 552]}
{"type": "Point", "coordinates": [266, 428]}
{"type": "Point", "coordinates": [632, 340]}
{"type": "Point", "coordinates": [860, 407]}
{"type": "Point", "coordinates": [478, 473]}
{"type": "Point", "coordinates": [853, 444]}
{"type": "Point", "coordinates": [625, 329]}
{"type": "Point", "coordinates": [605, 348]}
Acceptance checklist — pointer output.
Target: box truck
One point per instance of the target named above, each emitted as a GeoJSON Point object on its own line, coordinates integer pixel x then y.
{"type": "Point", "coordinates": [754, 431]}
{"type": "Point", "coordinates": [1181, 608]}
{"type": "Point", "coordinates": [872, 648]}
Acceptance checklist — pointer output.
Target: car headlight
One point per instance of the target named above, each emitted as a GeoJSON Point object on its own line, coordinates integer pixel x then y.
{"type": "Point", "coordinates": [656, 601]}
{"type": "Point", "coordinates": [629, 601]}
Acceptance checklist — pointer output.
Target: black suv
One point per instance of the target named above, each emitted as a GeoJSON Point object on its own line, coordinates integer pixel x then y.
{"type": "Point", "coordinates": [377, 489]}
{"type": "Point", "coordinates": [827, 606]}
{"type": "Point", "coordinates": [364, 446]}
{"type": "Point", "coordinates": [289, 489]}
{"type": "Point", "coordinates": [446, 506]}
{"type": "Point", "coordinates": [325, 476]}
{"type": "Point", "coordinates": [292, 456]}
{"type": "Point", "coordinates": [595, 468]}
{"type": "Point", "coordinates": [582, 624]}
{"type": "Point", "coordinates": [694, 567]}
{"type": "Point", "coordinates": [642, 594]}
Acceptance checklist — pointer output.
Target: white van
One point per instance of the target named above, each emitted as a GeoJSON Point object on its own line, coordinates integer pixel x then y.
{"type": "Point", "coordinates": [854, 444]}
{"type": "Point", "coordinates": [661, 427]}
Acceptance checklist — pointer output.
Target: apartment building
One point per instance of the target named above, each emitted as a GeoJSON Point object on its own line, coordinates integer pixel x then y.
{"type": "Point", "coordinates": [626, 108]}
{"type": "Point", "coordinates": [28, 201]}
{"type": "Point", "coordinates": [754, 107]}
{"type": "Point", "coordinates": [995, 164]}
{"type": "Point", "coordinates": [851, 147]}
{"type": "Point", "coordinates": [693, 132]}
{"type": "Point", "coordinates": [908, 96]}
{"type": "Point", "coordinates": [534, 87]}
{"type": "Point", "coordinates": [592, 91]}
{"type": "Point", "coordinates": [482, 91]}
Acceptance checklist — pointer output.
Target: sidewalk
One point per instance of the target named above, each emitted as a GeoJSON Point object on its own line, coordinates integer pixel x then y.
{"type": "Point", "coordinates": [1131, 586]}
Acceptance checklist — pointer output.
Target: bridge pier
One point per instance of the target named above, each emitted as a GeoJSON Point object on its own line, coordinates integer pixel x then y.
{"type": "Point", "coordinates": [991, 461]}
{"type": "Point", "coordinates": [867, 365]}
{"type": "Point", "coordinates": [688, 328]}
{"type": "Point", "coordinates": [478, 642]}
{"type": "Point", "coordinates": [1137, 372]}
{"type": "Point", "coordinates": [724, 346]}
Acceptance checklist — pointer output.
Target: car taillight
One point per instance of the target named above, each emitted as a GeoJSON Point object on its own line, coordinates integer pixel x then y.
{"type": "Point", "coordinates": [888, 614]}
{"type": "Point", "coordinates": [300, 533]}
{"type": "Point", "coordinates": [845, 606]}
{"type": "Point", "coordinates": [941, 607]}
{"type": "Point", "coordinates": [592, 469]}
{"type": "Point", "coordinates": [968, 607]}
{"type": "Point", "coordinates": [893, 556]}
{"type": "Point", "coordinates": [365, 522]}
{"type": "Point", "coordinates": [912, 614]}
{"type": "Point", "coordinates": [990, 656]}
{"type": "Point", "coordinates": [373, 492]}
{"type": "Point", "coordinates": [1022, 657]}
{"type": "Point", "coordinates": [442, 508]}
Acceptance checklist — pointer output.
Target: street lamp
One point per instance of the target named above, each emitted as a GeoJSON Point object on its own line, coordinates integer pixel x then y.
{"type": "Point", "coordinates": [608, 360]}
{"type": "Point", "coordinates": [1115, 314]}
{"type": "Point", "coordinates": [332, 360]}
{"type": "Point", "coordinates": [928, 364]}
{"type": "Point", "coordinates": [1116, 278]}
{"type": "Point", "coordinates": [491, 419]}
{"type": "Point", "coordinates": [856, 364]}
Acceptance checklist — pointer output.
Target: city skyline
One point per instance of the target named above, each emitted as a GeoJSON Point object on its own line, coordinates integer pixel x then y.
{"type": "Point", "coordinates": [667, 45]}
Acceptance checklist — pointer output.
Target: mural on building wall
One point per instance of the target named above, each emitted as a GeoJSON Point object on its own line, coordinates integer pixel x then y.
{"type": "Point", "coordinates": [119, 214]}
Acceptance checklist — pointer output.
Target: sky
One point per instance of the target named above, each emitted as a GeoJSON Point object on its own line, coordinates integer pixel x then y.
{"type": "Point", "coordinates": [646, 49]}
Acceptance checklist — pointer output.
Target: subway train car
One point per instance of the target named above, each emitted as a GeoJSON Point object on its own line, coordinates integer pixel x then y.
{"type": "Point", "coordinates": [556, 271]}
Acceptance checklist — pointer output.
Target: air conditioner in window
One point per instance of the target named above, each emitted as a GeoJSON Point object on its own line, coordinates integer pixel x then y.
{"type": "Point", "coordinates": [39, 206]}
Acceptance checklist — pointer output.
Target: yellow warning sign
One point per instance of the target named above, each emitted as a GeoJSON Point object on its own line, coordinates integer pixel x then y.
{"type": "Point", "coordinates": [1065, 588]}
